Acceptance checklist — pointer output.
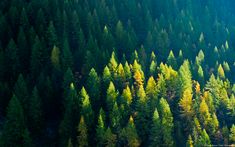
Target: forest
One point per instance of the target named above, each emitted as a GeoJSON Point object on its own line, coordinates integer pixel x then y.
{"type": "Point", "coordinates": [106, 73]}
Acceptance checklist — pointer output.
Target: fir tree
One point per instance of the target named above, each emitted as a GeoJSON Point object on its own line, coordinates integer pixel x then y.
{"type": "Point", "coordinates": [15, 132]}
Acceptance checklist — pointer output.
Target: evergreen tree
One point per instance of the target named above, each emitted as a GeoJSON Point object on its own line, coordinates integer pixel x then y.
{"type": "Point", "coordinates": [86, 111]}
{"type": "Point", "coordinates": [130, 135]}
{"type": "Point", "coordinates": [100, 130]}
{"type": "Point", "coordinates": [93, 88]}
{"type": "Point", "coordinates": [35, 113]}
{"type": "Point", "coordinates": [111, 96]}
{"type": "Point", "coordinates": [15, 132]}
{"type": "Point", "coordinates": [82, 133]}
{"type": "Point", "coordinates": [189, 142]}
{"type": "Point", "coordinates": [71, 116]}
{"type": "Point", "coordinates": [155, 133]}
{"type": "Point", "coordinates": [220, 72]}
{"type": "Point", "coordinates": [55, 58]}
{"type": "Point", "coordinates": [115, 119]}
{"type": "Point", "coordinates": [12, 60]}
{"type": "Point", "coordinates": [37, 58]}
{"type": "Point", "coordinates": [67, 56]}
{"type": "Point", "coordinates": [166, 122]}
{"type": "Point", "coordinates": [21, 91]}
{"type": "Point", "coordinates": [152, 93]}
{"type": "Point", "coordinates": [204, 139]}
{"type": "Point", "coordinates": [51, 35]}
{"type": "Point", "coordinates": [171, 60]}
{"type": "Point", "coordinates": [110, 138]}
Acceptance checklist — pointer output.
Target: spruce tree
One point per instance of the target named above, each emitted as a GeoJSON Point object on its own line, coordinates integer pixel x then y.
{"type": "Point", "coordinates": [15, 132]}
{"type": "Point", "coordinates": [82, 133]}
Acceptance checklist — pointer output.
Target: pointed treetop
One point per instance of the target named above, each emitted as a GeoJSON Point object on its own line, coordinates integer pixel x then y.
{"type": "Point", "coordinates": [72, 86]}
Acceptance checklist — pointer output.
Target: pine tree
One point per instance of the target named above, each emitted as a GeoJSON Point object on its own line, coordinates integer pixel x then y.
{"type": "Point", "coordinates": [15, 132]}
{"type": "Point", "coordinates": [110, 138]}
{"type": "Point", "coordinates": [152, 93]}
{"type": "Point", "coordinates": [220, 72]}
{"type": "Point", "coordinates": [127, 72]}
{"type": "Point", "coordinates": [82, 133]}
{"type": "Point", "coordinates": [111, 96]}
{"type": "Point", "coordinates": [93, 88]}
{"type": "Point", "coordinates": [153, 69]}
{"type": "Point", "coordinates": [130, 135]}
{"type": "Point", "coordinates": [127, 96]}
{"type": "Point", "coordinates": [113, 64]}
{"type": "Point", "coordinates": [67, 56]}
{"type": "Point", "coordinates": [100, 129]}
{"type": "Point", "coordinates": [37, 58]}
{"type": "Point", "coordinates": [67, 80]}
{"type": "Point", "coordinates": [167, 123]}
{"type": "Point", "coordinates": [155, 133]}
{"type": "Point", "coordinates": [86, 111]}
{"type": "Point", "coordinates": [115, 119]}
{"type": "Point", "coordinates": [186, 105]}
{"type": "Point", "coordinates": [21, 91]}
{"type": "Point", "coordinates": [71, 116]}
{"type": "Point", "coordinates": [51, 35]}
{"type": "Point", "coordinates": [200, 75]}
{"type": "Point", "coordinates": [171, 60]}
{"type": "Point", "coordinates": [185, 77]}
{"type": "Point", "coordinates": [204, 139]}
{"type": "Point", "coordinates": [12, 59]}
{"type": "Point", "coordinates": [107, 77]}
{"type": "Point", "coordinates": [35, 113]}
{"type": "Point", "coordinates": [143, 115]}
{"type": "Point", "coordinates": [189, 142]}
{"type": "Point", "coordinates": [55, 58]}
{"type": "Point", "coordinates": [204, 113]}
{"type": "Point", "coordinates": [24, 52]}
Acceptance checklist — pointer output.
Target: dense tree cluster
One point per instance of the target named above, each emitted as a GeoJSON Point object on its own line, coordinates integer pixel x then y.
{"type": "Point", "coordinates": [117, 73]}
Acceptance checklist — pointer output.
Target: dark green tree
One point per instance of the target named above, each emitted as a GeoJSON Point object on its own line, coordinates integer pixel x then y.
{"type": "Point", "coordinates": [35, 118]}
{"type": "Point", "coordinates": [15, 132]}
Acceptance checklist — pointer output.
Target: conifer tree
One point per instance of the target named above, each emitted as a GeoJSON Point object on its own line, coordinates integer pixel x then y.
{"type": "Point", "coordinates": [115, 119]}
{"type": "Point", "coordinates": [220, 72]}
{"type": "Point", "coordinates": [15, 132]}
{"type": "Point", "coordinates": [171, 60]}
{"type": "Point", "coordinates": [100, 129]}
{"type": "Point", "coordinates": [21, 91]}
{"type": "Point", "coordinates": [155, 133]}
{"type": "Point", "coordinates": [51, 35]}
{"type": "Point", "coordinates": [110, 138]}
{"type": "Point", "coordinates": [111, 96]}
{"type": "Point", "coordinates": [67, 56]}
{"type": "Point", "coordinates": [86, 111]}
{"type": "Point", "coordinates": [166, 122]}
{"type": "Point", "coordinates": [37, 58]}
{"type": "Point", "coordinates": [130, 135]}
{"type": "Point", "coordinates": [189, 142]}
{"type": "Point", "coordinates": [12, 59]}
{"type": "Point", "coordinates": [55, 58]}
{"type": "Point", "coordinates": [35, 113]}
{"type": "Point", "coordinates": [82, 133]}
{"type": "Point", "coordinates": [93, 88]}
{"type": "Point", "coordinates": [232, 134]}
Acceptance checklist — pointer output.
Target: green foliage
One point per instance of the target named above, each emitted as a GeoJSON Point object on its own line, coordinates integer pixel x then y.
{"type": "Point", "coordinates": [83, 134]}
{"type": "Point", "coordinates": [130, 135]}
{"type": "Point", "coordinates": [62, 46]}
{"type": "Point", "coordinates": [86, 109]}
{"type": "Point", "coordinates": [155, 133]}
{"type": "Point", "coordinates": [35, 113]}
{"type": "Point", "coordinates": [21, 91]}
{"type": "Point", "coordinates": [111, 96]}
{"type": "Point", "coordinates": [15, 131]}
{"type": "Point", "coordinates": [166, 122]}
